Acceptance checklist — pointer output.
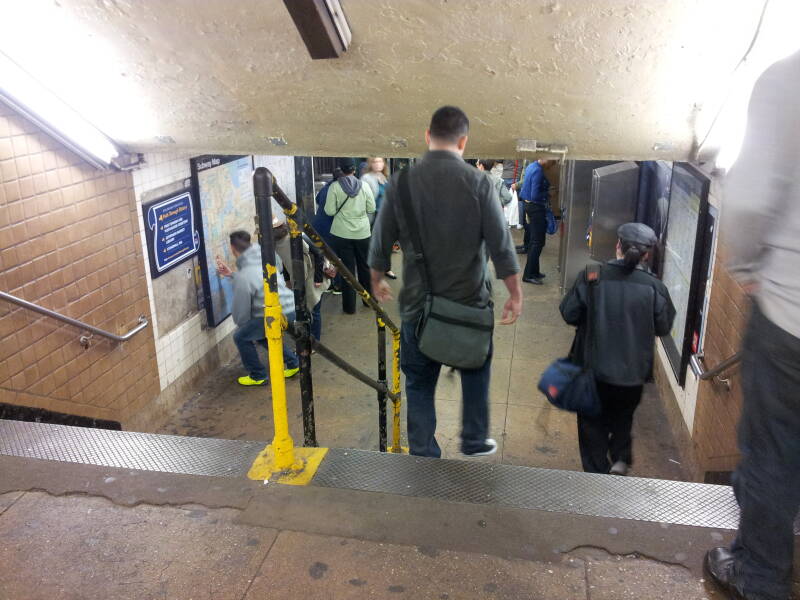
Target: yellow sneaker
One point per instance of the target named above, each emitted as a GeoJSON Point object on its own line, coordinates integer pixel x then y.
{"type": "Point", "coordinates": [287, 373]}
{"type": "Point", "coordinates": [247, 380]}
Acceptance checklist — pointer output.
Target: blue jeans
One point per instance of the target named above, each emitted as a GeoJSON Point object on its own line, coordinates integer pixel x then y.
{"type": "Point", "coordinates": [316, 321]}
{"type": "Point", "coordinates": [766, 482]}
{"type": "Point", "coordinates": [422, 373]}
{"type": "Point", "coordinates": [246, 337]}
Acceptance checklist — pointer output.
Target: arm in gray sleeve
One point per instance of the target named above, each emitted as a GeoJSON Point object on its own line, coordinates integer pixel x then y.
{"type": "Point", "coordinates": [495, 231]}
{"type": "Point", "coordinates": [283, 251]}
{"type": "Point", "coordinates": [505, 195]}
{"type": "Point", "coordinates": [573, 306]}
{"type": "Point", "coordinates": [242, 301]}
{"type": "Point", "coordinates": [762, 179]}
{"type": "Point", "coordinates": [384, 233]}
{"type": "Point", "coordinates": [664, 313]}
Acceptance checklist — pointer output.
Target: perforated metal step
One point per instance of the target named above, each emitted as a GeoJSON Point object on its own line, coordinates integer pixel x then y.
{"type": "Point", "coordinates": [128, 449]}
{"type": "Point", "coordinates": [671, 502]}
{"type": "Point", "coordinates": [674, 502]}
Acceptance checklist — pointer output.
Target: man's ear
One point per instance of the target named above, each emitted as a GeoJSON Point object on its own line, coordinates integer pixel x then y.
{"type": "Point", "coordinates": [428, 137]}
{"type": "Point", "coordinates": [462, 143]}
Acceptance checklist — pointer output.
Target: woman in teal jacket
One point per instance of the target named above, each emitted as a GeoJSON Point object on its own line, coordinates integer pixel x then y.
{"type": "Point", "coordinates": [351, 203]}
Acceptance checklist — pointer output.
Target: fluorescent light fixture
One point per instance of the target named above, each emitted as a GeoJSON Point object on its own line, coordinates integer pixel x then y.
{"type": "Point", "coordinates": [25, 95]}
{"type": "Point", "coordinates": [322, 25]}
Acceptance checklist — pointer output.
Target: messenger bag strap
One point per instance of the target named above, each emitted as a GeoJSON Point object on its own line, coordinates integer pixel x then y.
{"type": "Point", "coordinates": [592, 279]}
{"type": "Point", "coordinates": [404, 193]}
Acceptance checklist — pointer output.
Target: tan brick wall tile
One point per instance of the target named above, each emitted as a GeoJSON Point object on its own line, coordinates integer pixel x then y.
{"type": "Point", "coordinates": [69, 240]}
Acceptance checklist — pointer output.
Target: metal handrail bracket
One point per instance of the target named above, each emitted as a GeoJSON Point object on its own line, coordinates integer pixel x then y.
{"type": "Point", "coordinates": [74, 322]}
{"type": "Point", "coordinates": [696, 362]}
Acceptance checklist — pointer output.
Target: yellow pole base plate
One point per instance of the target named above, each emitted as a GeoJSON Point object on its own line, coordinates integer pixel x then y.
{"type": "Point", "coordinates": [308, 461]}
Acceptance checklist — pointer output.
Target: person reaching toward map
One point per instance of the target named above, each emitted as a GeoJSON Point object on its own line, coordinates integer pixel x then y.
{"type": "Point", "coordinates": [248, 308]}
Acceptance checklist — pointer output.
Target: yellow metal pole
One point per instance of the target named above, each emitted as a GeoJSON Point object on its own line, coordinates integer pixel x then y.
{"type": "Point", "coordinates": [282, 443]}
{"type": "Point", "coordinates": [396, 390]}
{"type": "Point", "coordinates": [280, 461]}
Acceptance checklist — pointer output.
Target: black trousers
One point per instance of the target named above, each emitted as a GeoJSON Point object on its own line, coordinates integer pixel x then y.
{"type": "Point", "coordinates": [537, 226]}
{"type": "Point", "coordinates": [766, 481]}
{"type": "Point", "coordinates": [609, 435]}
{"type": "Point", "coordinates": [354, 256]}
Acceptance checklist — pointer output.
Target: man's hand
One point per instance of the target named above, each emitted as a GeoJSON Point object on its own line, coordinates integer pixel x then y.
{"type": "Point", "coordinates": [514, 186]}
{"type": "Point", "coordinates": [380, 287]}
{"type": "Point", "coordinates": [223, 269]}
{"type": "Point", "coordinates": [512, 309]}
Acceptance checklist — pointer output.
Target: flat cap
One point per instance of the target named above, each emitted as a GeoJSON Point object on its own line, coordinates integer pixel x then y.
{"type": "Point", "coordinates": [637, 233]}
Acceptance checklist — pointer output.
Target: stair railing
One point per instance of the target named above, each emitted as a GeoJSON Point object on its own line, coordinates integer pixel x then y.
{"type": "Point", "coordinates": [266, 187]}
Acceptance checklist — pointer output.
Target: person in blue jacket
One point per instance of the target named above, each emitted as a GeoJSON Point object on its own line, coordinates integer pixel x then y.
{"type": "Point", "coordinates": [534, 194]}
{"type": "Point", "coordinates": [322, 223]}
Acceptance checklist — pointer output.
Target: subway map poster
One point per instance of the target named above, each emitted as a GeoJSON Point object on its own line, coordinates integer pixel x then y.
{"type": "Point", "coordinates": [223, 192]}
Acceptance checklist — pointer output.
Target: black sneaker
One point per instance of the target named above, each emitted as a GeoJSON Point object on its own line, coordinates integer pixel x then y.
{"type": "Point", "coordinates": [533, 281]}
{"type": "Point", "coordinates": [489, 447]}
{"type": "Point", "coordinates": [720, 565]}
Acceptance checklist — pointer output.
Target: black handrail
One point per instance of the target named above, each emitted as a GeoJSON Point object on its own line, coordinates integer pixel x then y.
{"type": "Point", "coordinates": [298, 224]}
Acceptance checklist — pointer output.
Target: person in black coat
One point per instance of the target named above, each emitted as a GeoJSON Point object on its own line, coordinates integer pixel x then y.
{"type": "Point", "coordinates": [630, 307]}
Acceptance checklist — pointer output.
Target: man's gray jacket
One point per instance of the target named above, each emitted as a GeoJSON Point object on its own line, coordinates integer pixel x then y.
{"type": "Point", "coordinates": [460, 220]}
{"type": "Point", "coordinates": [248, 288]}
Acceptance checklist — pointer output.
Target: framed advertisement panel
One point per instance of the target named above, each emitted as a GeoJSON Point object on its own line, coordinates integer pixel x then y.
{"type": "Point", "coordinates": [687, 250]}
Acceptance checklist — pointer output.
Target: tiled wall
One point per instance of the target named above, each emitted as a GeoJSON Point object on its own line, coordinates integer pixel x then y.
{"type": "Point", "coordinates": [69, 241]}
{"type": "Point", "coordinates": [718, 408]}
{"type": "Point", "coordinates": [183, 346]}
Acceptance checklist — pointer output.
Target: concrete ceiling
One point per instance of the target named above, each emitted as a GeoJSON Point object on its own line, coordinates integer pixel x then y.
{"type": "Point", "coordinates": [608, 78]}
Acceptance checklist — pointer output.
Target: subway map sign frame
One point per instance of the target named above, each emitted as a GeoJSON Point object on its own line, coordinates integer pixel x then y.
{"type": "Point", "coordinates": [170, 231]}
{"type": "Point", "coordinates": [686, 262]}
{"type": "Point", "coordinates": [222, 188]}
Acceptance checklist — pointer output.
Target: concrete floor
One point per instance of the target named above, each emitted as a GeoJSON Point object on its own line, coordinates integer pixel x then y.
{"type": "Point", "coordinates": [529, 431]}
{"type": "Point", "coordinates": [80, 547]}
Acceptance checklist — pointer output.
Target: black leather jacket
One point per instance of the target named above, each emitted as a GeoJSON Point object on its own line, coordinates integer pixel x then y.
{"type": "Point", "coordinates": [630, 310]}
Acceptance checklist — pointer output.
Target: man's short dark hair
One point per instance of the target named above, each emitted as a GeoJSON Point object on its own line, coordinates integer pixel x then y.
{"type": "Point", "coordinates": [488, 163]}
{"type": "Point", "coordinates": [449, 124]}
{"type": "Point", "coordinates": [240, 240]}
{"type": "Point", "coordinates": [347, 165]}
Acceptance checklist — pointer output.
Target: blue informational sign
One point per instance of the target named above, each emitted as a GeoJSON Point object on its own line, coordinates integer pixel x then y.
{"type": "Point", "coordinates": [170, 232]}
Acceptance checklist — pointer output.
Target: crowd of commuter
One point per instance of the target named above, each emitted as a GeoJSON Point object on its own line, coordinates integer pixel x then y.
{"type": "Point", "coordinates": [449, 216]}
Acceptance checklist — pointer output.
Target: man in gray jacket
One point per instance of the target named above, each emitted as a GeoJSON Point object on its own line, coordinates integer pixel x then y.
{"type": "Point", "coordinates": [460, 222]}
{"type": "Point", "coordinates": [761, 220]}
{"type": "Point", "coordinates": [248, 308]}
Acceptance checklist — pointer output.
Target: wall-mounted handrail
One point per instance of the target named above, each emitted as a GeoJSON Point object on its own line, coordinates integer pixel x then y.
{"type": "Point", "coordinates": [699, 370]}
{"type": "Point", "coordinates": [74, 322]}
